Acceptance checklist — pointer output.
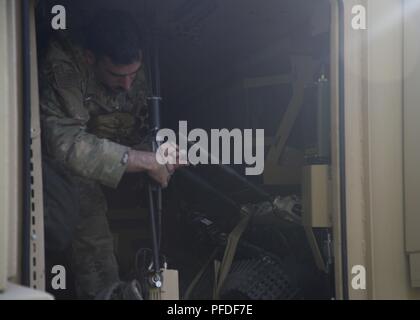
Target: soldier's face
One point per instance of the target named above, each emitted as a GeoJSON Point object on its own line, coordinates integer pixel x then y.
{"type": "Point", "coordinates": [117, 78]}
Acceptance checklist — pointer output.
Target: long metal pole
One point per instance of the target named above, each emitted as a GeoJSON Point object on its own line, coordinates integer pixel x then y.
{"type": "Point", "coordinates": [155, 191]}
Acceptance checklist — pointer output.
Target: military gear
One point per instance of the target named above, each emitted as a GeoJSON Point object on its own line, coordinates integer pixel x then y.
{"type": "Point", "coordinates": [117, 126]}
{"type": "Point", "coordinates": [87, 132]}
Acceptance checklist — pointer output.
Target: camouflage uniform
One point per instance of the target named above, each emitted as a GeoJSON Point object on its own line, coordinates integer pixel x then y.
{"type": "Point", "coordinates": [87, 131]}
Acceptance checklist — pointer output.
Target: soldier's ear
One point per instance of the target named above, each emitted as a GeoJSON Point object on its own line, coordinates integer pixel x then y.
{"type": "Point", "coordinates": [90, 57]}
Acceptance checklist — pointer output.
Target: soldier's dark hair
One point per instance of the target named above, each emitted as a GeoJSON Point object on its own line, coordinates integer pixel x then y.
{"type": "Point", "coordinates": [113, 34]}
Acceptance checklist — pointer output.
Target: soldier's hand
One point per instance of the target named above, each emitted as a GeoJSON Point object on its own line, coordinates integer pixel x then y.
{"type": "Point", "coordinates": [140, 161]}
{"type": "Point", "coordinates": [170, 154]}
{"type": "Point", "coordinates": [161, 173]}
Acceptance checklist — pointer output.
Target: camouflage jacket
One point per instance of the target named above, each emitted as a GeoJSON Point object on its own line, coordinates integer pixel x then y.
{"type": "Point", "coordinates": [86, 129]}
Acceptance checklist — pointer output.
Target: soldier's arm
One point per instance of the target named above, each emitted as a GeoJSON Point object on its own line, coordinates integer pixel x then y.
{"type": "Point", "coordinates": [64, 123]}
{"type": "Point", "coordinates": [139, 161]}
{"type": "Point", "coordinates": [64, 119]}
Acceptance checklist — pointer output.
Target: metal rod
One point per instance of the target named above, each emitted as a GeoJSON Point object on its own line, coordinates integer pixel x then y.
{"type": "Point", "coordinates": [155, 191]}
{"type": "Point", "coordinates": [231, 172]}
{"type": "Point", "coordinates": [156, 264]}
{"type": "Point", "coordinates": [204, 184]}
{"type": "Point", "coordinates": [258, 190]}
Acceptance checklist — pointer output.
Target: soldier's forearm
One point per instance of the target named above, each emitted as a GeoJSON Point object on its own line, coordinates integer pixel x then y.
{"type": "Point", "coordinates": [139, 161]}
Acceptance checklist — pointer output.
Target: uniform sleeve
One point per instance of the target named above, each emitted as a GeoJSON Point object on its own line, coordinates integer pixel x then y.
{"type": "Point", "coordinates": [64, 122]}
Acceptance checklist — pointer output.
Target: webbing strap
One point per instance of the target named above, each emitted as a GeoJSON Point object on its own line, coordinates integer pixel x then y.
{"type": "Point", "coordinates": [199, 275]}
{"type": "Point", "coordinates": [222, 271]}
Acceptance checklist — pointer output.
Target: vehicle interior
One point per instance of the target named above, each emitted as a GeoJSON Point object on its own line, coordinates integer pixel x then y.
{"type": "Point", "coordinates": [242, 64]}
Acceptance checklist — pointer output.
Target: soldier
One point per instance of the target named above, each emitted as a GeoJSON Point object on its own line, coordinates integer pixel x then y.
{"type": "Point", "coordinates": [93, 111]}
